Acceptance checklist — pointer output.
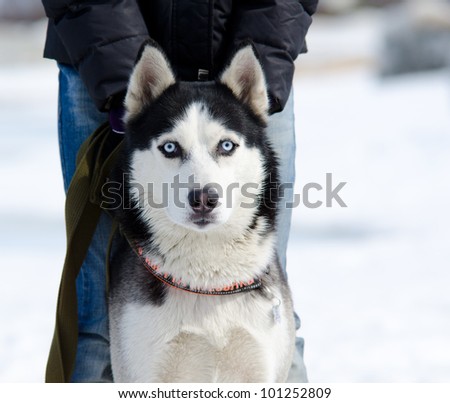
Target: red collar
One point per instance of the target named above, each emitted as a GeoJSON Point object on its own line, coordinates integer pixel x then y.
{"type": "Point", "coordinates": [156, 271]}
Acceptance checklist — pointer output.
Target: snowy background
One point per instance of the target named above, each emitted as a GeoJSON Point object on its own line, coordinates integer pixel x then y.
{"type": "Point", "coordinates": [371, 281]}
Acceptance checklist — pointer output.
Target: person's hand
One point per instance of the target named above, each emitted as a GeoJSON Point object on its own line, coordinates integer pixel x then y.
{"type": "Point", "coordinates": [116, 115]}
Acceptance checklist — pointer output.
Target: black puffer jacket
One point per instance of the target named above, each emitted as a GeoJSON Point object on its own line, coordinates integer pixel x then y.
{"type": "Point", "coordinates": [101, 38]}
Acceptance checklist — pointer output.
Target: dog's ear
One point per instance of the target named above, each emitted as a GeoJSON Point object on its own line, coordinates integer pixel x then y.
{"type": "Point", "coordinates": [244, 76]}
{"type": "Point", "coordinates": [151, 76]}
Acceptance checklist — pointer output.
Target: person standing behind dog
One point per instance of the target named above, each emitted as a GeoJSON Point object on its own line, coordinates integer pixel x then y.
{"type": "Point", "coordinates": [96, 44]}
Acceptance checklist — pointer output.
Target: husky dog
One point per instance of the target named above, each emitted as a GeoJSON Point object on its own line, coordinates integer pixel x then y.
{"type": "Point", "coordinates": [196, 291]}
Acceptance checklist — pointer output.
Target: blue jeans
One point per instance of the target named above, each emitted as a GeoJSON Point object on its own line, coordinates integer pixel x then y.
{"type": "Point", "coordinates": [77, 119]}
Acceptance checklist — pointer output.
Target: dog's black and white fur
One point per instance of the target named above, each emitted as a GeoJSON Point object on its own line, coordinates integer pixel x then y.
{"type": "Point", "coordinates": [215, 132]}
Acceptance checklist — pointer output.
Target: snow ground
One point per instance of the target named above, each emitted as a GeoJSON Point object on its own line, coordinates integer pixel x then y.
{"type": "Point", "coordinates": [370, 281]}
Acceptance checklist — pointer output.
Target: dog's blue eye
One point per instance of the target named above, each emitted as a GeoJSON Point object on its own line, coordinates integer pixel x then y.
{"type": "Point", "coordinates": [170, 149]}
{"type": "Point", "coordinates": [226, 147]}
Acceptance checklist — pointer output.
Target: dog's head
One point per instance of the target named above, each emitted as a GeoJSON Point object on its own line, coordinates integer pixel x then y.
{"type": "Point", "coordinates": [197, 155]}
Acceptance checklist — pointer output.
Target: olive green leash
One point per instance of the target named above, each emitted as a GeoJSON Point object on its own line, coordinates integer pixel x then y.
{"type": "Point", "coordinates": [95, 159]}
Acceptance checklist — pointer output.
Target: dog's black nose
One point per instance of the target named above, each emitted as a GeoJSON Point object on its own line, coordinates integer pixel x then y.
{"type": "Point", "coordinates": [203, 200]}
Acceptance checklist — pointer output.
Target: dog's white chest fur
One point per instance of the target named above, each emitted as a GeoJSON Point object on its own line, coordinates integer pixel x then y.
{"type": "Point", "coordinates": [202, 338]}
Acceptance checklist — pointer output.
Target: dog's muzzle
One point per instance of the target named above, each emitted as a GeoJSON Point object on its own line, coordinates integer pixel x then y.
{"type": "Point", "coordinates": [203, 202]}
